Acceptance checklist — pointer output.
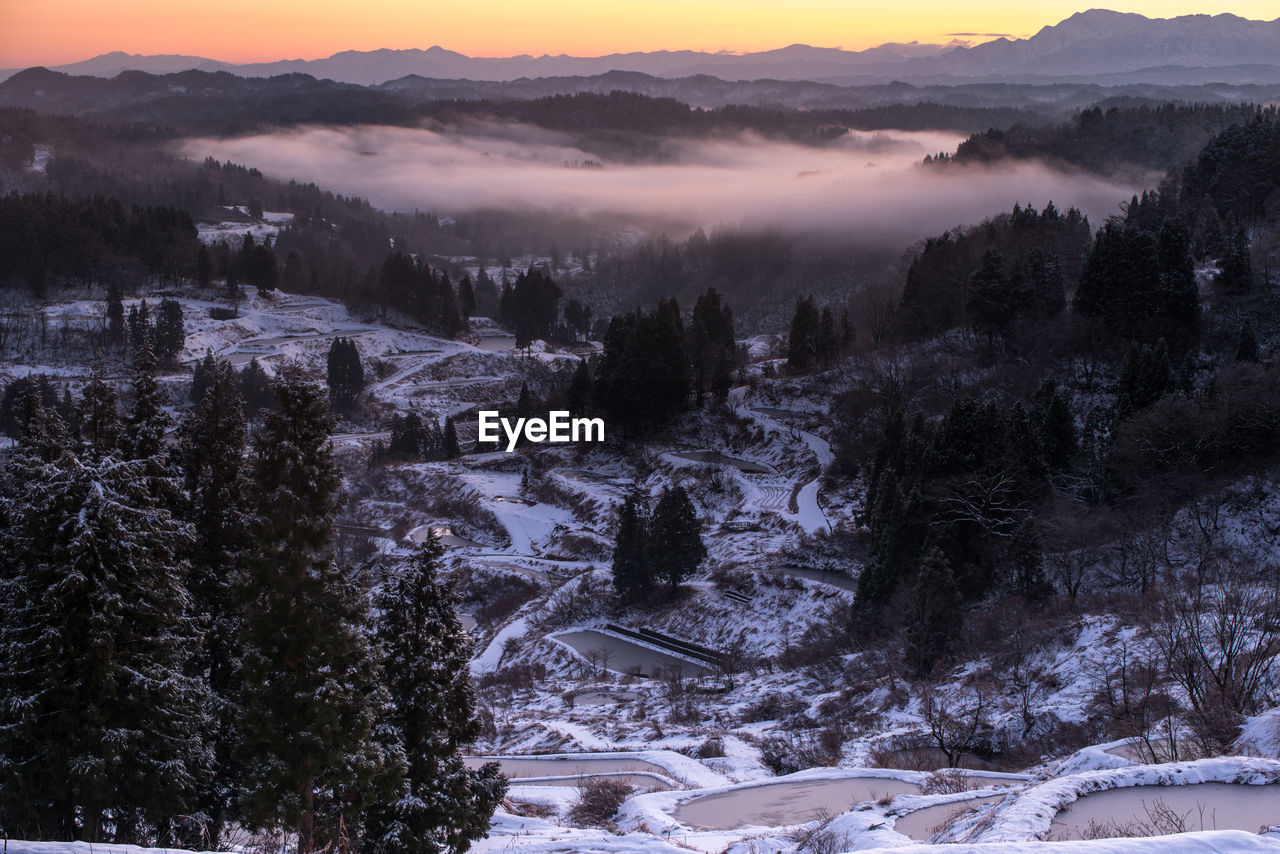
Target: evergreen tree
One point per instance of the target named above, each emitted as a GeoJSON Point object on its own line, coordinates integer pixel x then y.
{"type": "Point", "coordinates": [1247, 349]}
{"type": "Point", "coordinates": [142, 437]}
{"type": "Point", "coordinates": [674, 543]}
{"type": "Point", "coordinates": [99, 413]}
{"type": "Point", "coordinates": [712, 346]}
{"type": "Point", "coordinates": [109, 741]}
{"type": "Point", "coordinates": [643, 376]}
{"type": "Point", "coordinates": [527, 404]}
{"type": "Point", "coordinates": [139, 324]}
{"type": "Point", "coordinates": [933, 619]}
{"type": "Point", "coordinates": [204, 266]}
{"type": "Point", "coordinates": [991, 302]}
{"type": "Point", "coordinates": [202, 376]}
{"type": "Point", "coordinates": [1026, 564]}
{"type": "Point", "coordinates": [828, 341]}
{"type": "Point", "coordinates": [255, 389]}
{"type": "Point", "coordinates": [1235, 274]}
{"type": "Point", "coordinates": [632, 573]}
{"type": "Point", "coordinates": [115, 315]}
{"type": "Point", "coordinates": [466, 298]}
{"type": "Point", "coordinates": [170, 334]}
{"type": "Point", "coordinates": [579, 395]}
{"type": "Point", "coordinates": [308, 680]}
{"type": "Point", "coordinates": [345, 373]}
{"type": "Point", "coordinates": [451, 449]}
{"type": "Point", "coordinates": [802, 344]}
{"type": "Point", "coordinates": [426, 654]}
{"type": "Point", "coordinates": [1146, 377]}
{"type": "Point", "coordinates": [210, 454]}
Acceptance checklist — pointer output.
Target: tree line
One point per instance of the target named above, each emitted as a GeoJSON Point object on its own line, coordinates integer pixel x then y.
{"type": "Point", "coordinates": [182, 650]}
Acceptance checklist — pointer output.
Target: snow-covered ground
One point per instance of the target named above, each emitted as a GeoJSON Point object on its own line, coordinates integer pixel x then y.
{"type": "Point", "coordinates": [529, 536]}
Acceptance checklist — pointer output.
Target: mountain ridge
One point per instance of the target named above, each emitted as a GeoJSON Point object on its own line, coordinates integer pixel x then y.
{"type": "Point", "coordinates": [1089, 44]}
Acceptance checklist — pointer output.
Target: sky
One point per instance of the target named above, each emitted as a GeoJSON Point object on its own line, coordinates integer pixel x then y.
{"type": "Point", "coordinates": [51, 32]}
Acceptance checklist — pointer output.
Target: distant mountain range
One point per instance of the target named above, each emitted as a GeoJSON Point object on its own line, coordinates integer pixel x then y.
{"type": "Point", "coordinates": [1097, 46]}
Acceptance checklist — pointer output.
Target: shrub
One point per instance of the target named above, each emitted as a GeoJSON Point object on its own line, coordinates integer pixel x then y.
{"type": "Point", "coordinates": [598, 800]}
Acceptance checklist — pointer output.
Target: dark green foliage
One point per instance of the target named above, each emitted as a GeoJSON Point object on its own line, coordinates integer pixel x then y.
{"type": "Point", "coordinates": [1247, 349]}
{"type": "Point", "coordinates": [170, 335]}
{"type": "Point", "coordinates": [1175, 440]}
{"type": "Point", "coordinates": [424, 294]}
{"type": "Point", "coordinates": [140, 327]}
{"type": "Point", "coordinates": [529, 307]}
{"type": "Point", "coordinates": [1239, 170]}
{"type": "Point", "coordinates": [643, 377]}
{"type": "Point", "coordinates": [210, 456]}
{"type": "Point", "coordinates": [441, 805]}
{"type": "Point", "coordinates": [99, 414]}
{"type": "Point", "coordinates": [202, 376]}
{"type": "Point", "coordinates": [466, 298]}
{"type": "Point", "coordinates": [142, 435]}
{"type": "Point", "coordinates": [933, 617]}
{"type": "Point", "coordinates": [204, 266]}
{"type": "Point", "coordinates": [632, 574]}
{"type": "Point", "coordinates": [1141, 286]}
{"type": "Point", "coordinates": [712, 347]}
{"type": "Point", "coordinates": [56, 239]}
{"type": "Point", "coordinates": [675, 548]}
{"type": "Point", "coordinates": [1235, 274]}
{"type": "Point", "coordinates": [450, 450]}
{"type": "Point", "coordinates": [967, 486]}
{"type": "Point", "coordinates": [115, 315]}
{"type": "Point", "coordinates": [1026, 564]}
{"type": "Point", "coordinates": [308, 679]}
{"type": "Point", "coordinates": [578, 397]}
{"type": "Point", "coordinates": [991, 302]}
{"type": "Point", "coordinates": [1145, 378]}
{"type": "Point", "coordinates": [526, 403]}
{"type": "Point", "coordinates": [110, 740]}
{"type": "Point", "coordinates": [413, 441]}
{"type": "Point", "coordinates": [255, 389]}
{"type": "Point", "coordinates": [13, 418]}
{"type": "Point", "coordinates": [802, 343]}
{"type": "Point", "coordinates": [1039, 260]}
{"type": "Point", "coordinates": [256, 264]}
{"type": "Point", "coordinates": [345, 373]}
{"type": "Point", "coordinates": [1158, 138]}
{"type": "Point", "coordinates": [577, 317]}
{"type": "Point", "coordinates": [998, 297]}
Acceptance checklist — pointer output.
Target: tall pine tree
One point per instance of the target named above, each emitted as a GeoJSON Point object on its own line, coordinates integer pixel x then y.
{"type": "Point", "coordinates": [442, 805]}
{"type": "Point", "coordinates": [309, 695]}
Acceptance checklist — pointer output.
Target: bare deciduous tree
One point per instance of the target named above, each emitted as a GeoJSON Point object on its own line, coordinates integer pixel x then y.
{"type": "Point", "coordinates": [955, 722]}
{"type": "Point", "coordinates": [1219, 643]}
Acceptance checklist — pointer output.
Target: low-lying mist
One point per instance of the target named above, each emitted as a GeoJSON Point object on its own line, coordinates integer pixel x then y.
{"type": "Point", "coordinates": [868, 186]}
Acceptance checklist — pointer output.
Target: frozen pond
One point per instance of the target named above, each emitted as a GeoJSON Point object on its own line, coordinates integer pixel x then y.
{"type": "Point", "coordinates": [625, 656]}
{"type": "Point", "coordinates": [1158, 810]}
{"type": "Point", "coordinates": [717, 458]}
{"type": "Point", "coordinates": [781, 413]}
{"type": "Point", "coordinates": [637, 780]}
{"type": "Point", "coordinates": [601, 698]}
{"type": "Point", "coordinates": [835, 579]}
{"type": "Point", "coordinates": [794, 802]}
{"type": "Point", "coordinates": [496, 343]}
{"type": "Point", "coordinates": [923, 823]}
{"type": "Point", "coordinates": [468, 622]}
{"type": "Point", "coordinates": [568, 766]}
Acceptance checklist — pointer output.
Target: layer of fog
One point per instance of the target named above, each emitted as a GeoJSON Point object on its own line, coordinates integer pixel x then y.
{"type": "Point", "coordinates": [866, 185]}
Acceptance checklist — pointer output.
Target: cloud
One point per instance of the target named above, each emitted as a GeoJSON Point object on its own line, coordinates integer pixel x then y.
{"type": "Point", "coordinates": [865, 186]}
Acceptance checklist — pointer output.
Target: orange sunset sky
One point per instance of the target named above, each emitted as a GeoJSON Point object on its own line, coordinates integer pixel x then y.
{"type": "Point", "coordinates": [50, 32]}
